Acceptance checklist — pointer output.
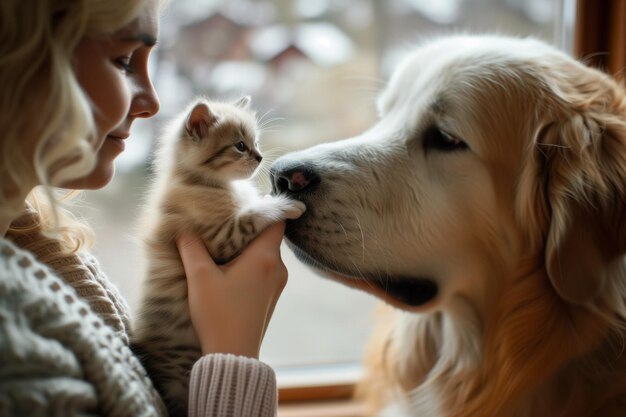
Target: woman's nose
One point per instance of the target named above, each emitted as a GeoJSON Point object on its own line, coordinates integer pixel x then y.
{"type": "Point", "coordinates": [145, 102]}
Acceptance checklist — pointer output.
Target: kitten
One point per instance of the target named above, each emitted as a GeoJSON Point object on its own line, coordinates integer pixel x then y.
{"type": "Point", "coordinates": [206, 150]}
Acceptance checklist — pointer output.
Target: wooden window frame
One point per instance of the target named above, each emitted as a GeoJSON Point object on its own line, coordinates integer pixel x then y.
{"type": "Point", "coordinates": [600, 41]}
{"type": "Point", "coordinates": [319, 391]}
{"type": "Point", "coordinates": [600, 34]}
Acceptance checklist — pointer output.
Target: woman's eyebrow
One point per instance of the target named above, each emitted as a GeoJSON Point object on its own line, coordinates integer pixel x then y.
{"type": "Point", "coordinates": [145, 38]}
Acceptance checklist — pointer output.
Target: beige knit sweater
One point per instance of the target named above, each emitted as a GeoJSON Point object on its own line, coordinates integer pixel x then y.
{"type": "Point", "coordinates": [64, 332]}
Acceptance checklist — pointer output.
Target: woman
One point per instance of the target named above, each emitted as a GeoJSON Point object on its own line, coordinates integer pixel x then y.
{"type": "Point", "coordinates": [74, 77]}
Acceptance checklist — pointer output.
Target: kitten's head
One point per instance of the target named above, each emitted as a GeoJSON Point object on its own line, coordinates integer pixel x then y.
{"type": "Point", "coordinates": [219, 140]}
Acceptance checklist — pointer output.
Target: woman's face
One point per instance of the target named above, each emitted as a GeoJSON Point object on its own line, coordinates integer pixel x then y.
{"type": "Point", "coordinates": [113, 72]}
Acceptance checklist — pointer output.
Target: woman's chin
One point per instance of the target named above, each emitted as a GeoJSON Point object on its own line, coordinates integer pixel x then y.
{"type": "Point", "coordinates": [104, 171]}
{"type": "Point", "coordinates": [98, 178]}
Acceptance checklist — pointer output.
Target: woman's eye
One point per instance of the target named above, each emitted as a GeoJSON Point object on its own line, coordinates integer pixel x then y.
{"type": "Point", "coordinates": [124, 63]}
{"type": "Point", "coordinates": [435, 139]}
{"type": "Point", "coordinates": [240, 146]}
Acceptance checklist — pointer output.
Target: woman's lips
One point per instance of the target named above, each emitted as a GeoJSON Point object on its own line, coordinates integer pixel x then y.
{"type": "Point", "coordinates": [118, 141]}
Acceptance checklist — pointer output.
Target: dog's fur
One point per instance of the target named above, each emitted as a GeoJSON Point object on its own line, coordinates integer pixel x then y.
{"type": "Point", "coordinates": [522, 233]}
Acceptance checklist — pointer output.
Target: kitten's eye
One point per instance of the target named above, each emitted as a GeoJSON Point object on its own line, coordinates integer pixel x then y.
{"type": "Point", "coordinates": [435, 139]}
{"type": "Point", "coordinates": [241, 147]}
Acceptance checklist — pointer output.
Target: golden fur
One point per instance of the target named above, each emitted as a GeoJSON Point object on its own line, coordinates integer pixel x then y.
{"type": "Point", "coordinates": [544, 355]}
{"type": "Point", "coordinates": [523, 232]}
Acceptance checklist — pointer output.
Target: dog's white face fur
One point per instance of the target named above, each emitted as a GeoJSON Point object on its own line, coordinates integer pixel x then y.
{"type": "Point", "coordinates": [495, 176]}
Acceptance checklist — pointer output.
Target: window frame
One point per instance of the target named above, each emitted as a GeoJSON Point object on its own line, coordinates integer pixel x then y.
{"type": "Point", "coordinates": [314, 382]}
{"type": "Point", "coordinates": [600, 41]}
{"type": "Point", "coordinates": [600, 34]}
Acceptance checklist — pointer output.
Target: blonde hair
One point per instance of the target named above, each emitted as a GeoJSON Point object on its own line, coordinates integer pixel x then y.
{"type": "Point", "coordinates": [45, 117]}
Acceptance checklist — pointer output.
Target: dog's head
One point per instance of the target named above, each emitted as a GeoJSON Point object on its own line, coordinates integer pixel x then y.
{"type": "Point", "coordinates": [491, 155]}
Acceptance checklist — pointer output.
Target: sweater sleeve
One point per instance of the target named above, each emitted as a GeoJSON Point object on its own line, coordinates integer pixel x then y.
{"type": "Point", "coordinates": [224, 385]}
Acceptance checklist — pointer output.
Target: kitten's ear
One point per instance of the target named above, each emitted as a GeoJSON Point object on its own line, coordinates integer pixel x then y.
{"type": "Point", "coordinates": [243, 102]}
{"type": "Point", "coordinates": [200, 119]}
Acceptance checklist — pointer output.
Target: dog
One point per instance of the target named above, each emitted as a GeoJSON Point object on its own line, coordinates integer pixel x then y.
{"type": "Point", "coordinates": [487, 208]}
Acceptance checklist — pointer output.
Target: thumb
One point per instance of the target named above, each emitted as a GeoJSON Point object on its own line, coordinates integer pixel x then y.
{"type": "Point", "coordinates": [271, 237]}
{"type": "Point", "coordinates": [196, 259]}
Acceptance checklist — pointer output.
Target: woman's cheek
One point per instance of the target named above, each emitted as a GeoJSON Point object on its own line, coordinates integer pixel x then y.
{"type": "Point", "coordinates": [113, 109]}
{"type": "Point", "coordinates": [104, 83]}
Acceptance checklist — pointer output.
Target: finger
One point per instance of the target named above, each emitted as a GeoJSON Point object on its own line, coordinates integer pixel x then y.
{"type": "Point", "coordinates": [271, 237]}
{"type": "Point", "coordinates": [194, 254]}
{"type": "Point", "coordinates": [268, 241]}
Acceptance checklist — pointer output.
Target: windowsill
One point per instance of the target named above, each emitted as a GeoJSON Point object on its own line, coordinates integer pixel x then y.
{"type": "Point", "coordinates": [344, 408]}
{"type": "Point", "coordinates": [317, 382]}
{"type": "Point", "coordinates": [318, 391]}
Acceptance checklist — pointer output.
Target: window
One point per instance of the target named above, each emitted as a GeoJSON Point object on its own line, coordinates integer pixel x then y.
{"type": "Point", "coordinates": [601, 34]}
{"type": "Point", "coordinates": [313, 69]}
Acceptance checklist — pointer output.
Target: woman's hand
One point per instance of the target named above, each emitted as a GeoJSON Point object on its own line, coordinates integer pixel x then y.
{"type": "Point", "coordinates": [231, 305]}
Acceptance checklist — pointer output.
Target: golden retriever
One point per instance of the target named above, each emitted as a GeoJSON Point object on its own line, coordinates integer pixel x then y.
{"type": "Point", "coordinates": [487, 208]}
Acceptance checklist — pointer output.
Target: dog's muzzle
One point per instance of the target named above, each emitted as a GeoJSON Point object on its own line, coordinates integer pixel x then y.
{"type": "Point", "coordinates": [299, 179]}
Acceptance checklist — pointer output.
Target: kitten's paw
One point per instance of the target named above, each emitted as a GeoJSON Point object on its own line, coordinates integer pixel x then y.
{"type": "Point", "coordinates": [293, 209]}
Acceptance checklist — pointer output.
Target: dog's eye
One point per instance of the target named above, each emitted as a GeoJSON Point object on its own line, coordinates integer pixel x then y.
{"type": "Point", "coordinates": [435, 139]}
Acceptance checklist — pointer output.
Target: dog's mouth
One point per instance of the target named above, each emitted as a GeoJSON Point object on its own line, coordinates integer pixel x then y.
{"type": "Point", "coordinates": [406, 293]}
{"type": "Point", "coordinates": [410, 291]}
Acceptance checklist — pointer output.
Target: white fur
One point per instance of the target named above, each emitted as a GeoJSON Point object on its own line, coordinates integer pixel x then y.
{"type": "Point", "coordinates": [476, 223]}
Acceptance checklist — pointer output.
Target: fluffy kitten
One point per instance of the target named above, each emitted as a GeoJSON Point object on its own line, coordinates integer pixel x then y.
{"type": "Point", "coordinates": [207, 149]}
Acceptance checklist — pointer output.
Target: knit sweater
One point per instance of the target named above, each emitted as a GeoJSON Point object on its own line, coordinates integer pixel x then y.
{"type": "Point", "coordinates": [64, 334]}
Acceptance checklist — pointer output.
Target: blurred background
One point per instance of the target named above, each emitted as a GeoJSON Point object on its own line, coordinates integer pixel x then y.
{"type": "Point", "coordinates": [313, 69]}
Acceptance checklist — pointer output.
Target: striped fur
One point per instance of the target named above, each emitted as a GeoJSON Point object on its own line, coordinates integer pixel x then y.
{"type": "Point", "coordinates": [202, 168]}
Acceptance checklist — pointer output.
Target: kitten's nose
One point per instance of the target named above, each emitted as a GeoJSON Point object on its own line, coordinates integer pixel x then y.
{"type": "Point", "coordinates": [291, 177]}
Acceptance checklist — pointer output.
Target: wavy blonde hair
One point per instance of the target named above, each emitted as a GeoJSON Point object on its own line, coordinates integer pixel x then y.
{"type": "Point", "coordinates": [45, 117]}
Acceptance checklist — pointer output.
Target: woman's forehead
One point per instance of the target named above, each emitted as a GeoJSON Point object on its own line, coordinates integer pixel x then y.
{"type": "Point", "coordinates": [146, 23]}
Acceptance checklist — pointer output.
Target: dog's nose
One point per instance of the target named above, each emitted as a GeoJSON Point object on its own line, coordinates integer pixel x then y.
{"type": "Point", "coordinates": [292, 177]}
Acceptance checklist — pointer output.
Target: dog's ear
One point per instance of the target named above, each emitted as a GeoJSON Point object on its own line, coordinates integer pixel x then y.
{"type": "Point", "coordinates": [583, 164]}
